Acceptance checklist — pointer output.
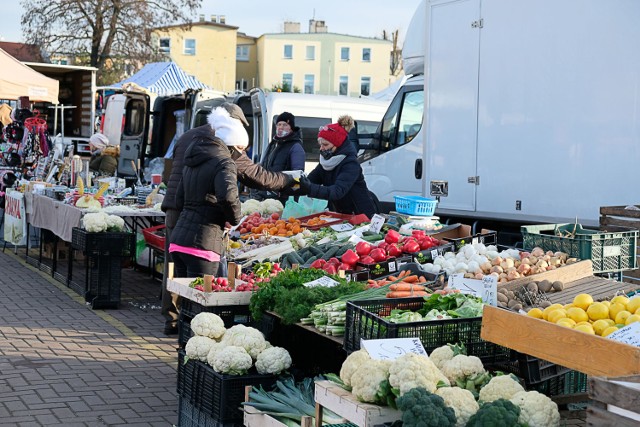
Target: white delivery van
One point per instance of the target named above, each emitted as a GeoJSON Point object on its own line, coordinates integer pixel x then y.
{"type": "Point", "coordinates": [520, 111]}
{"type": "Point", "coordinates": [311, 112]}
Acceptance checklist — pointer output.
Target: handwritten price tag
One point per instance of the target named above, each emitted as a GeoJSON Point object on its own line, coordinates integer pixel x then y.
{"type": "Point", "coordinates": [376, 223]}
{"type": "Point", "coordinates": [342, 227]}
{"type": "Point", "coordinates": [630, 334]}
{"type": "Point", "coordinates": [325, 281]}
{"type": "Point", "coordinates": [486, 289]}
{"type": "Point", "coordinates": [392, 348]}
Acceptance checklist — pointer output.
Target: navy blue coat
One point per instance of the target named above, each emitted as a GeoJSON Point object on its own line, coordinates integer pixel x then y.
{"type": "Point", "coordinates": [344, 186]}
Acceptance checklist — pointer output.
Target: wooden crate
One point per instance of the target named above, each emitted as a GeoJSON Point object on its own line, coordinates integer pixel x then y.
{"type": "Point", "coordinates": [256, 418]}
{"type": "Point", "coordinates": [345, 404]}
{"type": "Point", "coordinates": [614, 402]}
{"type": "Point", "coordinates": [567, 274]}
{"type": "Point", "coordinates": [618, 216]}
{"type": "Point", "coordinates": [590, 354]}
{"type": "Point", "coordinates": [181, 287]}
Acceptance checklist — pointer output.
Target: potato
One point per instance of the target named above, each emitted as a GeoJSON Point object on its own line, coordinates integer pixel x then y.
{"type": "Point", "coordinates": [532, 287]}
{"type": "Point", "coordinates": [514, 302]}
{"type": "Point", "coordinates": [503, 290]}
{"type": "Point", "coordinates": [511, 295]}
{"type": "Point", "coordinates": [516, 307]}
{"type": "Point", "coordinates": [502, 297]}
{"type": "Point", "coordinates": [501, 304]}
{"type": "Point", "coordinates": [545, 304]}
{"type": "Point", "coordinates": [558, 286]}
{"type": "Point", "coordinates": [544, 286]}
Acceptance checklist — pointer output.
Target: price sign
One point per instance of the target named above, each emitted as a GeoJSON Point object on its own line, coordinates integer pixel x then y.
{"type": "Point", "coordinates": [325, 281]}
{"type": "Point", "coordinates": [376, 223]}
{"type": "Point", "coordinates": [392, 348]}
{"type": "Point", "coordinates": [630, 334]}
{"type": "Point", "coordinates": [342, 227]}
{"type": "Point", "coordinates": [486, 289]}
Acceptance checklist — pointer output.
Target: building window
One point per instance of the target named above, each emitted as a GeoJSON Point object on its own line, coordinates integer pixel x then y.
{"type": "Point", "coordinates": [344, 85]}
{"type": "Point", "coordinates": [344, 54]}
{"type": "Point", "coordinates": [365, 86]}
{"type": "Point", "coordinates": [242, 53]}
{"type": "Point", "coordinates": [288, 51]}
{"type": "Point", "coordinates": [189, 46]}
{"type": "Point", "coordinates": [165, 45]}
{"type": "Point", "coordinates": [311, 53]}
{"type": "Point", "coordinates": [309, 83]}
{"type": "Point", "coordinates": [366, 54]}
{"type": "Point", "coordinates": [287, 82]}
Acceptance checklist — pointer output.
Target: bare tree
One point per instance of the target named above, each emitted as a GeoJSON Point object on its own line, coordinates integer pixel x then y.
{"type": "Point", "coordinates": [395, 62]}
{"type": "Point", "coordinates": [99, 31]}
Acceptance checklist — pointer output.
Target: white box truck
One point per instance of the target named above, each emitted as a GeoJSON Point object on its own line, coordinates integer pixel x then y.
{"type": "Point", "coordinates": [520, 111]}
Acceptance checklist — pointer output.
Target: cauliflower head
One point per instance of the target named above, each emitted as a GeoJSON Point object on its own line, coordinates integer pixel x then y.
{"type": "Point", "coordinates": [273, 360]}
{"type": "Point", "coordinates": [366, 381]}
{"type": "Point", "coordinates": [269, 206]}
{"type": "Point", "coordinates": [250, 206]}
{"type": "Point", "coordinates": [208, 325]}
{"type": "Point", "coordinates": [352, 363]}
{"type": "Point", "coordinates": [231, 360]}
{"type": "Point", "coordinates": [462, 402]}
{"type": "Point", "coordinates": [441, 355]}
{"type": "Point", "coordinates": [198, 347]}
{"type": "Point", "coordinates": [412, 370]}
{"type": "Point", "coordinates": [215, 347]}
{"type": "Point", "coordinates": [95, 222]}
{"type": "Point", "coordinates": [461, 367]}
{"type": "Point", "coordinates": [115, 223]}
{"type": "Point", "coordinates": [536, 409]}
{"type": "Point", "coordinates": [248, 338]}
{"type": "Point", "coordinates": [500, 387]}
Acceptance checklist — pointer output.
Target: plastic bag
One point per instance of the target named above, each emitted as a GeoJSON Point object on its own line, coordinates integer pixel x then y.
{"type": "Point", "coordinates": [156, 166]}
{"type": "Point", "coordinates": [303, 207]}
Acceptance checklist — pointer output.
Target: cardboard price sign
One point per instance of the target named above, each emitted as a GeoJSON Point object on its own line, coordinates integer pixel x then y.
{"type": "Point", "coordinates": [486, 289]}
{"type": "Point", "coordinates": [325, 281]}
{"type": "Point", "coordinates": [376, 223]}
{"type": "Point", "coordinates": [630, 334]}
{"type": "Point", "coordinates": [392, 348]}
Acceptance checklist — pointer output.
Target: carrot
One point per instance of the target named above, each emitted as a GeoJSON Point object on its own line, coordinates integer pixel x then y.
{"type": "Point", "coordinates": [406, 294]}
{"type": "Point", "coordinates": [422, 279]}
{"type": "Point", "coordinates": [392, 278]}
{"type": "Point", "coordinates": [410, 279]}
{"type": "Point", "coordinates": [403, 286]}
{"type": "Point", "coordinates": [403, 273]}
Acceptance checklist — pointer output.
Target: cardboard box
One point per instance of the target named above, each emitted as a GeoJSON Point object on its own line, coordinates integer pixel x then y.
{"type": "Point", "coordinates": [461, 235]}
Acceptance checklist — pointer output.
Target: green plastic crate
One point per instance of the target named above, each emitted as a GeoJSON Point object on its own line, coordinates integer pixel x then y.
{"type": "Point", "coordinates": [608, 251]}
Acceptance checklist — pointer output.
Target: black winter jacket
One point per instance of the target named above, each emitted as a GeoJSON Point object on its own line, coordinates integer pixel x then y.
{"type": "Point", "coordinates": [169, 201]}
{"type": "Point", "coordinates": [207, 196]}
{"type": "Point", "coordinates": [285, 154]}
{"type": "Point", "coordinates": [344, 186]}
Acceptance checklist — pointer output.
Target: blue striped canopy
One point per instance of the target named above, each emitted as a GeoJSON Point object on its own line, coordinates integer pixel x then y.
{"type": "Point", "coordinates": [163, 79]}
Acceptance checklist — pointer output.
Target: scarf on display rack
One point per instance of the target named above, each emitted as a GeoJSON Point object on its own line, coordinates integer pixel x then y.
{"type": "Point", "coordinates": [331, 163]}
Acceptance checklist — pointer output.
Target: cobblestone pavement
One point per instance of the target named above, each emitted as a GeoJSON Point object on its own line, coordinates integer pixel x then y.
{"type": "Point", "coordinates": [64, 364]}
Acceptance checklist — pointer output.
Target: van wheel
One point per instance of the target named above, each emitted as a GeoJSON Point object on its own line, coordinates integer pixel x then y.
{"type": "Point", "coordinates": [376, 202]}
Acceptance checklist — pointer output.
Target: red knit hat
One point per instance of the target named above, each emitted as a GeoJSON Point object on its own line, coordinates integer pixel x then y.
{"type": "Point", "coordinates": [334, 133]}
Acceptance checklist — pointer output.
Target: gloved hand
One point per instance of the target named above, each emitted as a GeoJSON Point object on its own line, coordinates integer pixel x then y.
{"type": "Point", "coordinates": [305, 185]}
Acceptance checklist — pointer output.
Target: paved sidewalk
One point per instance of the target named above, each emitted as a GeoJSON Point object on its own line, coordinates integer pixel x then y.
{"type": "Point", "coordinates": [63, 364]}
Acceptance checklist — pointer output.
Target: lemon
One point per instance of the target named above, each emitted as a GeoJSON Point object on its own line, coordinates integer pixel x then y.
{"type": "Point", "coordinates": [583, 323]}
{"type": "Point", "coordinates": [597, 311]}
{"type": "Point", "coordinates": [633, 305]}
{"type": "Point", "coordinates": [549, 309]}
{"type": "Point", "coordinates": [565, 322]}
{"type": "Point", "coordinates": [620, 299]}
{"type": "Point", "coordinates": [535, 312]}
{"type": "Point", "coordinates": [614, 309]}
{"type": "Point", "coordinates": [609, 330]}
{"type": "Point", "coordinates": [632, 319]}
{"type": "Point", "coordinates": [600, 325]}
{"type": "Point", "coordinates": [568, 306]}
{"type": "Point", "coordinates": [622, 316]}
{"type": "Point", "coordinates": [637, 311]}
{"type": "Point", "coordinates": [585, 328]}
{"type": "Point", "coordinates": [577, 314]}
{"type": "Point", "coordinates": [583, 301]}
{"type": "Point", "coordinates": [556, 315]}
{"type": "Point", "coordinates": [607, 303]}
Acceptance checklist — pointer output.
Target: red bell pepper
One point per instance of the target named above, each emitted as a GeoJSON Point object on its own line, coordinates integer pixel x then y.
{"type": "Point", "coordinates": [350, 257]}
{"type": "Point", "coordinates": [378, 255]}
{"type": "Point", "coordinates": [363, 248]}
{"type": "Point", "coordinates": [392, 236]}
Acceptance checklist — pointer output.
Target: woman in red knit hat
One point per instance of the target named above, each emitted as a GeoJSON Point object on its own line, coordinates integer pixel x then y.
{"type": "Point", "coordinates": [338, 177]}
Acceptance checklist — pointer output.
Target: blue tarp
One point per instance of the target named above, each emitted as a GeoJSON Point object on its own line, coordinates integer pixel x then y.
{"type": "Point", "coordinates": [163, 79]}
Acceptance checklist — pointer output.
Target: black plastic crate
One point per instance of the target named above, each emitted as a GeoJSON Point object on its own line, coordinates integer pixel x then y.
{"type": "Point", "coordinates": [428, 255]}
{"type": "Point", "coordinates": [101, 286]}
{"type": "Point", "coordinates": [364, 321]}
{"type": "Point", "coordinates": [216, 395]}
{"type": "Point", "coordinates": [190, 416]}
{"type": "Point", "coordinates": [230, 314]}
{"type": "Point", "coordinates": [112, 244]}
{"type": "Point", "coordinates": [572, 382]}
{"type": "Point", "coordinates": [489, 238]}
{"type": "Point", "coordinates": [531, 369]}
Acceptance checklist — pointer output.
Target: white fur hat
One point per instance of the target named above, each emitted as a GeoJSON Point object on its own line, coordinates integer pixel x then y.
{"type": "Point", "coordinates": [99, 141]}
{"type": "Point", "coordinates": [227, 128]}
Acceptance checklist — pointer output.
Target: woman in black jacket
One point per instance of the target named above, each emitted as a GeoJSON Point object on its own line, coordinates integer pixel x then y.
{"type": "Point", "coordinates": [338, 177]}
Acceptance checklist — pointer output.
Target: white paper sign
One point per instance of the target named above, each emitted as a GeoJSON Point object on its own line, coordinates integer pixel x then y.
{"type": "Point", "coordinates": [486, 289]}
{"type": "Point", "coordinates": [325, 281]}
{"type": "Point", "coordinates": [392, 348]}
{"type": "Point", "coordinates": [376, 223]}
{"type": "Point", "coordinates": [630, 334]}
{"type": "Point", "coordinates": [15, 219]}
{"type": "Point", "coordinates": [342, 227]}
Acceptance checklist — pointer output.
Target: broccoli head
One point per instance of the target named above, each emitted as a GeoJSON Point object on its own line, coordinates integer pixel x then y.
{"type": "Point", "coordinates": [499, 413]}
{"type": "Point", "coordinates": [423, 409]}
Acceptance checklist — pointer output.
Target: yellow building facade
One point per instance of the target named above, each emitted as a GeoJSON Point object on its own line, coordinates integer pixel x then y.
{"type": "Point", "coordinates": [207, 51]}
{"type": "Point", "coordinates": [246, 62]}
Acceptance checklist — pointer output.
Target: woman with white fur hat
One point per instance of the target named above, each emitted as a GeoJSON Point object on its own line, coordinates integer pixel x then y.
{"type": "Point", "coordinates": [104, 157]}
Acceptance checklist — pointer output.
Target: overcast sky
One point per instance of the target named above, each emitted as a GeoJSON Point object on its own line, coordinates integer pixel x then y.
{"type": "Point", "coordinates": [365, 18]}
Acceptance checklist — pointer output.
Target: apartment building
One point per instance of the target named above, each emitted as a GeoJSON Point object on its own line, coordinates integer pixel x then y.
{"type": "Point", "coordinates": [207, 50]}
{"type": "Point", "coordinates": [324, 63]}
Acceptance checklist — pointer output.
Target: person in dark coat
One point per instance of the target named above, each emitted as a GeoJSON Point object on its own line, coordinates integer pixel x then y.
{"type": "Point", "coordinates": [338, 177]}
{"type": "Point", "coordinates": [208, 197]}
{"type": "Point", "coordinates": [249, 173]}
{"type": "Point", "coordinates": [284, 153]}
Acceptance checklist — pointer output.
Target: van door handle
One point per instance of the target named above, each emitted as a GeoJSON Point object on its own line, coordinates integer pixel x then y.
{"type": "Point", "coordinates": [418, 169]}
